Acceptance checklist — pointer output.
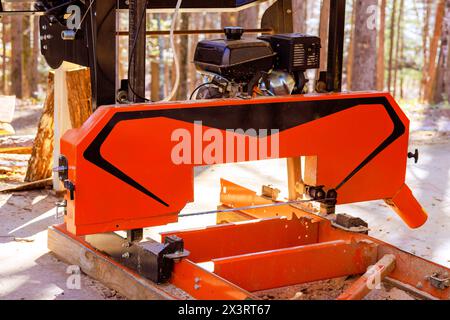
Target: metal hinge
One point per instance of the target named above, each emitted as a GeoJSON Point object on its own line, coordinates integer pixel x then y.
{"type": "Point", "coordinates": [59, 205]}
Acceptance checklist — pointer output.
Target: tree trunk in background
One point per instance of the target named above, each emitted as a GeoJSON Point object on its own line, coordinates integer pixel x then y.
{"type": "Point", "coordinates": [447, 57]}
{"type": "Point", "coordinates": [16, 55]}
{"type": "Point", "coordinates": [442, 82]}
{"type": "Point", "coordinates": [381, 42]}
{"type": "Point", "coordinates": [425, 36]}
{"type": "Point", "coordinates": [33, 72]}
{"type": "Point", "coordinates": [4, 60]}
{"type": "Point", "coordinates": [351, 47]}
{"type": "Point", "coordinates": [249, 18]}
{"type": "Point", "coordinates": [398, 44]}
{"type": "Point", "coordinates": [26, 56]}
{"type": "Point", "coordinates": [300, 14]}
{"type": "Point", "coordinates": [431, 73]}
{"type": "Point", "coordinates": [364, 73]}
{"type": "Point", "coordinates": [438, 95]}
{"type": "Point", "coordinates": [323, 33]}
{"type": "Point", "coordinates": [228, 19]}
{"type": "Point", "coordinates": [183, 52]}
{"type": "Point", "coordinates": [391, 45]}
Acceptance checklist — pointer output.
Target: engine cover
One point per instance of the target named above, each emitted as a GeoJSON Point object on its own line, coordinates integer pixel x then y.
{"type": "Point", "coordinates": [234, 58]}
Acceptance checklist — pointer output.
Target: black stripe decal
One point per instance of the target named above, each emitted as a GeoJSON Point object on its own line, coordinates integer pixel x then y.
{"type": "Point", "coordinates": [281, 116]}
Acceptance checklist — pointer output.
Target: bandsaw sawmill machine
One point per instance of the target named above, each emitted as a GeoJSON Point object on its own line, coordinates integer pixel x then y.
{"type": "Point", "coordinates": [355, 147]}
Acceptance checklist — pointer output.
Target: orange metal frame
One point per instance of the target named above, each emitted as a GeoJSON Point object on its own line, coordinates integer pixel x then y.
{"type": "Point", "coordinates": [293, 248]}
{"type": "Point", "coordinates": [269, 253]}
{"type": "Point", "coordinates": [360, 139]}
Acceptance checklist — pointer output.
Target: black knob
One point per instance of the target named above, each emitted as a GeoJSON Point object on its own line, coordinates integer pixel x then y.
{"type": "Point", "coordinates": [414, 156]}
{"type": "Point", "coordinates": [234, 33]}
{"type": "Point", "coordinates": [71, 188]}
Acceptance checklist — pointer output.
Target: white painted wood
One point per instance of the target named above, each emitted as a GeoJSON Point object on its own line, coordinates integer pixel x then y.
{"type": "Point", "coordinates": [61, 114]}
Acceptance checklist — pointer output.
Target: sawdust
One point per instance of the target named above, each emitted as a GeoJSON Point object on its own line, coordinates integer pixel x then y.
{"type": "Point", "coordinates": [330, 290]}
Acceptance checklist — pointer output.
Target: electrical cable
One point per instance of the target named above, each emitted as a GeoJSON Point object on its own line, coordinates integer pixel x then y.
{"type": "Point", "coordinates": [172, 44]}
{"type": "Point", "coordinates": [133, 51]}
{"type": "Point", "coordinates": [85, 15]}
{"type": "Point", "coordinates": [174, 51]}
{"type": "Point", "coordinates": [198, 88]}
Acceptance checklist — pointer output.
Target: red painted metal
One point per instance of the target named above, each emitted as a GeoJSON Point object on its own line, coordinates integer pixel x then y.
{"type": "Point", "coordinates": [290, 266]}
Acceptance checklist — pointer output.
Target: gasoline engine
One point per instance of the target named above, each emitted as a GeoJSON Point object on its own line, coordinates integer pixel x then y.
{"type": "Point", "coordinates": [271, 65]}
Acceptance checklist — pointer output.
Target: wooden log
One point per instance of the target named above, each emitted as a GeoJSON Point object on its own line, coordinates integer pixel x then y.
{"type": "Point", "coordinates": [368, 281]}
{"type": "Point", "coordinates": [41, 161]}
{"type": "Point", "coordinates": [16, 144]}
{"type": "Point", "coordinates": [104, 269]}
{"type": "Point", "coordinates": [79, 101]}
{"type": "Point", "coordinates": [41, 184]}
{"type": "Point", "coordinates": [6, 129]}
{"type": "Point", "coordinates": [80, 97]}
{"type": "Point", "coordinates": [17, 150]}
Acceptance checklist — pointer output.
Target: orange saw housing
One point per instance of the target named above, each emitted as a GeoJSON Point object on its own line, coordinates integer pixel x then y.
{"type": "Point", "coordinates": [123, 175]}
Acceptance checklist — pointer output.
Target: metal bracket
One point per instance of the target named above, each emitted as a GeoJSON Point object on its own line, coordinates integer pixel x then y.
{"type": "Point", "coordinates": [151, 259]}
{"type": "Point", "coordinates": [62, 169]}
{"type": "Point", "coordinates": [438, 281]}
{"type": "Point", "coordinates": [61, 204]}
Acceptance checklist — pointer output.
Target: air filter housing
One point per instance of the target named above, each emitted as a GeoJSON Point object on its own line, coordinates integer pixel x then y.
{"type": "Point", "coordinates": [295, 51]}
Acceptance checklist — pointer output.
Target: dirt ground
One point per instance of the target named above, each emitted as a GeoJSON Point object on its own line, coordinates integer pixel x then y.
{"type": "Point", "coordinates": [29, 271]}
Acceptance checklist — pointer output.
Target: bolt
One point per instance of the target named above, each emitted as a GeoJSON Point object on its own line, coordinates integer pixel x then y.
{"type": "Point", "coordinates": [288, 11]}
{"type": "Point", "coordinates": [197, 280]}
{"type": "Point", "coordinates": [197, 287]}
{"type": "Point", "coordinates": [419, 285]}
{"type": "Point", "coordinates": [126, 255]}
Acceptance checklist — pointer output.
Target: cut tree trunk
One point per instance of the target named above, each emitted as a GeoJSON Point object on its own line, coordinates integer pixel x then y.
{"type": "Point", "coordinates": [80, 108]}
{"type": "Point", "coordinates": [40, 164]}
{"type": "Point", "coordinates": [80, 97]}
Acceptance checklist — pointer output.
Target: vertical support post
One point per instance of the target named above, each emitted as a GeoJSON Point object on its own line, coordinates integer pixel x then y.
{"type": "Point", "coordinates": [102, 38]}
{"type": "Point", "coordinates": [336, 45]}
{"type": "Point", "coordinates": [62, 121]}
{"type": "Point", "coordinates": [279, 18]}
{"type": "Point", "coordinates": [138, 22]}
{"type": "Point", "coordinates": [295, 179]}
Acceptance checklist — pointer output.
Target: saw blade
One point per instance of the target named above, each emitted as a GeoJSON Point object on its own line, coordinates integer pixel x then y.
{"type": "Point", "coordinates": [260, 206]}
